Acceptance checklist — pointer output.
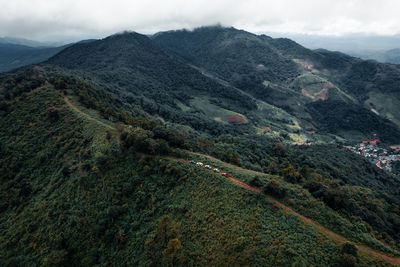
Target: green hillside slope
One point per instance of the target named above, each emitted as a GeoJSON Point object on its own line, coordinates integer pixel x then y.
{"type": "Point", "coordinates": [95, 147]}
{"type": "Point", "coordinates": [287, 75]}
{"type": "Point", "coordinates": [86, 196]}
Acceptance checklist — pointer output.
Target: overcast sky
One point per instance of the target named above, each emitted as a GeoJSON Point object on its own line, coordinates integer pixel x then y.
{"type": "Point", "coordinates": [50, 19]}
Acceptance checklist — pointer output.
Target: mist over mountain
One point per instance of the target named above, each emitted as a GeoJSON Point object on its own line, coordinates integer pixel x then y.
{"type": "Point", "coordinates": [380, 48]}
{"type": "Point", "coordinates": [27, 42]}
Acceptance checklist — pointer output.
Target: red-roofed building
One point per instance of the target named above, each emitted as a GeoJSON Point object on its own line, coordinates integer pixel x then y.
{"type": "Point", "coordinates": [372, 142]}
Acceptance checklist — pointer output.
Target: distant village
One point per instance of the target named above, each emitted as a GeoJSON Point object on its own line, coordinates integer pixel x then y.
{"type": "Point", "coordinates": [380, 156]}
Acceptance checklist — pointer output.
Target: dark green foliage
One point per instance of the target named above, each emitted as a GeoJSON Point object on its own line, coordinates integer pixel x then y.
{"type": "Point", "coordinates": [215, 49]}
{"type": "Point", "coordinates": [265, 68]}
{"type": "Point", "coordinates": [274, 188]}
{"type": "Point", "coordinates": [256, 181]}
{"type": "Point", "coordinates": [349, 248]}
{"type": "Point", "coordinates": [347, 260]}
{"type": "Point", "coordinates": [290, 174]}
{"type": "Point", "coordinates": [165, 247]}
{"type": "Point", "coordinates": [156, 84]}
{"type": "Point", "coordinates": [366, 76]}
{"type": "Point", "coordinates": [349, 255]}
{"type": "Point", "coordinates": [241, 58]}
{"type": "Point", "coordinates": [335, 117]}
{"type": "Point", "coordinates": [88, 175]}
{"type": "Point", "coordinates": [396, 167]}
{"type": "Point", "coordinates": [76, 215]}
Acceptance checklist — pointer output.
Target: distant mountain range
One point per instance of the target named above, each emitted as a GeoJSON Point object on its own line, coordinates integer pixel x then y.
{"type": "Point", "coordinates": [13, 56]}
{"type": "Point", "coordinates": [27, 42]}
{"type": "Point", "coordinates": [211, 147]}
{"type": "Point", "coordinates": [389, 56]}
{"type": "Point", "coordinates": [384, 49]}
{"type": "Point", "coordinates": [17, 52]}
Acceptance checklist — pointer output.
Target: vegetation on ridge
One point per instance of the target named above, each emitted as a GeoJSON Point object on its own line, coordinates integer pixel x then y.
{"type": "Point", "coordinates": [94, 150]}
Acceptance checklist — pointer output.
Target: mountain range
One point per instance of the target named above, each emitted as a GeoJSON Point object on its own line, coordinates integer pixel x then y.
{"type": "Point", "coordinates": [380, 48]}
{"type": "Point", "coordinates": [96, 143]}
{"type": "Point", "coordinates": [13, 56]}
{"type": "Point", "coordinates": [388, 56]}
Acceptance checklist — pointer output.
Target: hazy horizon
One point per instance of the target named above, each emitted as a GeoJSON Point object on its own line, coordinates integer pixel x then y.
{"type": "Point", "coordinates": [355, 44]}
{"type": "Point", "coordinates": [64, 20]}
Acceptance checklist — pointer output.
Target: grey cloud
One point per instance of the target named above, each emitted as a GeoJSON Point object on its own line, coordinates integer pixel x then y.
{"type": "Point", "coordinates": [42, 18]}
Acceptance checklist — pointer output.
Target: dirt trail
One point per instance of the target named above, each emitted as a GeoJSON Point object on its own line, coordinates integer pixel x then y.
{"type": "Point", "coordinates": [338, 239]}
{"type": "Point", "coordinates": [75, 108]}
{"type": "Point", "coordinates": [333, 236]}
{"type": "Point", "coordinates": [87, 116]}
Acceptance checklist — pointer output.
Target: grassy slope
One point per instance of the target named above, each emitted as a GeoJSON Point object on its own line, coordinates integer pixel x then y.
{"type": "Point", "coordinates": [90, 207]}
{"type": "Point", "coordinates": [121, 194]}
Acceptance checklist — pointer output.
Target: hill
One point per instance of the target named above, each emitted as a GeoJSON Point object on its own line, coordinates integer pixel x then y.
{"type": "Point", "coordinates": [13, 56]}
{"type": "Point", "coordinates": [287, 75]}
{"type": "Point", "coordinates": [386, 56]}
{"type": "Point", "coordinates": [392, 56]}
{"type": "Point", "coordinates": [26, 42]}
{"type": "Point", "coordinates": [141, 72]}
{"type": "Point", "coordinates": [95, 146]}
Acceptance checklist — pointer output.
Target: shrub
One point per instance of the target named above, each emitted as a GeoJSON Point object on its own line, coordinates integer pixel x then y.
{"type": "Point", "coordinates": [274, 188]}
{"type": "Point", "coordinates": [256, 181]}
{"type": "Point", "coordinates": [347, 260]}
{"type": "Point", "coordinates": [173, 254]}
{"type": "Point", "coordinates": [349, 248]}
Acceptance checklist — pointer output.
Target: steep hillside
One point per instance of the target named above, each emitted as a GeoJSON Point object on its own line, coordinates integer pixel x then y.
{"type": "Point", "coordinates": [141, 72]}
{"type": "Point", "coordinates": [240, 58]}
{"type": "Point", "coordinates": [287, 75]}
{"type": "Point", "coordinates": [215, 48]}
{"type": "Point", "coordinates": [95, 150]}
{"type": "Point", "coordinates": [93, 191]}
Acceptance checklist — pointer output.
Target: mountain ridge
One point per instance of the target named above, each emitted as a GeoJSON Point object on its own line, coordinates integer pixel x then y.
{"type": "Point", "coordinates": [96, 143]}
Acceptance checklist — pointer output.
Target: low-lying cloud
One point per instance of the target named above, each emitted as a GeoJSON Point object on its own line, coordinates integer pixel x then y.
{"type": "Point", "coordinates": [40, 19]}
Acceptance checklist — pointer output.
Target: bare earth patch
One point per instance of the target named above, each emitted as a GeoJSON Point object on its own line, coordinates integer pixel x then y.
{"type": "Point", "coordinates": [306, 94]}
{"type": "Point", "coordinates": [323, 94]}
{"type": "Point", "coordinates": [235, 119]}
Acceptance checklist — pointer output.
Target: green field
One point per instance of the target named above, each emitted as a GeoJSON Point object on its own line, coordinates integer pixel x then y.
{"type": "Point", "coordinates": [388, 107]}
{"type": "Point", "coordinates": [213, 111]}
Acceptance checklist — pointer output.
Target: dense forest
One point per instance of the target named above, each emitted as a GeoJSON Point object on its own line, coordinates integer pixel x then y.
{"type": "Point", "coordinates": [95, 147]}
{"type": "Point", "coordinates": [249, 61]}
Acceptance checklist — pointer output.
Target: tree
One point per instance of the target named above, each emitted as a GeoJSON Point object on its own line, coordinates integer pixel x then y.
{"type": "Point", "coordinates": [233, 158]}
{"type": "Point", "coordinates": [256, 181]}
{"type": "Point", "coordinates": [162, 246]}
{"type": "Point", "coordinates": [173, 254]}
{"type": "Point", "coordinates": [272, 168]}
{"type": "Point", "coordinates": [349, 248]}
{"type": "Point", "coordinates": [274, 188]}
{"type": "Point", "coordinates": [347, 260]}
{"type": "Point", "coordinates": [304, 172]}
{"type": "Point", "coordinates": [290, 174]}
{"type": "Point", "coordinates": [280, 150]}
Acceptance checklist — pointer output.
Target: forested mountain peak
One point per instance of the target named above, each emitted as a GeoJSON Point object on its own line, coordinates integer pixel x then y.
{"type": "Point", "coordinates": [122, 48]}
